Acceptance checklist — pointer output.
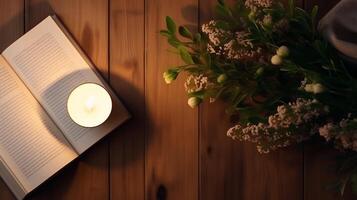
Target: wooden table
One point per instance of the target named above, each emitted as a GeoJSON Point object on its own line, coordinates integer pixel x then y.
{"type": "Point", "coordinates": [167, 151]}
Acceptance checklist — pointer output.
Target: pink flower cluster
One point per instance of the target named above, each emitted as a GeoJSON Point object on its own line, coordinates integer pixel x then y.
{"type": "Point", "coordinates": [343, 134]}
{"type": "Point", "coordinates": [281, 129]}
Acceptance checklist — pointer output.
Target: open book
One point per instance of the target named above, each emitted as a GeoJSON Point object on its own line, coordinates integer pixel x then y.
{"type": "Point", "coordinates": [37, 135]}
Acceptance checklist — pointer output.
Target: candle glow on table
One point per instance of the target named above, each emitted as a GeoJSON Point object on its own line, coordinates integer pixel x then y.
{"type": "Point", "coordinates": [89, 105]}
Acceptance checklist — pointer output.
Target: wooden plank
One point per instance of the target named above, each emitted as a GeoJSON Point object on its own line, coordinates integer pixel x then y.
{"type": "Point", "coordinates": [319, 160]}
{"type": "Point", "coordinates": [233, 170]}
{"type": "Point", "coordinates": [172, 130]}
{"type": "Point", "coordinates": [87, 20]}
{"type": "Point", "coordinates": [320, 173]}
{"type": "Point", "coordinates": [127, 76]}
{"type": "Point", "coordinates": [11, 28]}
{"type": "Point", "coordinates": [11, 22]}
{"type": "Point", "coordinates": [5, 192]}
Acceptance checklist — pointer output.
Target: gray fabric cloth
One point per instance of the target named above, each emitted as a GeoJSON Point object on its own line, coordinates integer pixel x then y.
{"type": "Point", "coordinates": [339, 27]}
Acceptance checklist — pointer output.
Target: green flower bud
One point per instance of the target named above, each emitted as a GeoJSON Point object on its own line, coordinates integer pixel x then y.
{"type": "Point", "coordinates": [267, 21]}
{"type": "Point", "coordinates": [283, 51]}
{"type": "Point", "coordinates": [170, 75]}
{"type": "Point", "coordinates": [309, 88]}
{"type": "Point", "coordinates": [318, 88]}
{"type": "Point", "coordinates": [252, 15]}
{"type": "Point", "coordinates": [315, 88]}
{"type": "Point", "coordinates": [259, 71]}
{"type": "Point", "coordinates": [194, 101]}
{"type": "Point", "coordinates": [276, 60]}
{"type": "Point", "coordinates": [222, 78]}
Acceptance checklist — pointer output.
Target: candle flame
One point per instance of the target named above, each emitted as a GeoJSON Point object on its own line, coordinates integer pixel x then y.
{"type": "Point", "coordinates": [89, 104]}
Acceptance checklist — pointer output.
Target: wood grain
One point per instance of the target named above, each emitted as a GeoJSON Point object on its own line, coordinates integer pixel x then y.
{"type": "Point", "coordinates": [11, 22]}
{"type": "Point", "coordinates": [127, 76]}
{"type": "Point", "coordinates": [87, 20]}
{"type": "Point", "coordinates": [233, 170]}
{"type": "Point", "coordinates": [167, 150]}
{"type": "Point", "coordinates": [172, 130]}
{"type": "Point", "coordinates": [320, 173]}
{"type": "Point", "coordinates": [220, 157]}
{"type": "Point", "coordinates": [11, 28]}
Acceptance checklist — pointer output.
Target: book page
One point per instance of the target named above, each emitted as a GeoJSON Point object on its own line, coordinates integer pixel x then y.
{"type": "Point", "coordinates": [51, 67]}
{"type": "Point", "coordinates": [32, 148]}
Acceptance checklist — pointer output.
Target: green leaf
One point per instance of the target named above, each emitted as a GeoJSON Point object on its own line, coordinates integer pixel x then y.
{"type": "Point", "coordinates": [219, 92]}
{"type": "Point", "coordinates": [354, 183]}
{"type": "Point", "coordinates": [223, 10]}
{"type": "Point", "coordinates": [222, 25]}
{"type": "Point", "coordinates": [216, 69]}
{"type": "Point", "coordinates": [313, 17]}
{"type": "Point", "coordinates": [165, 33]}
{"type": "Point", "coordinates": [291, 7]}
{"type": "Point", "coordinates": [174, 42]}
{"type": "Point", "coordinates": [185, 55]}
{"type": "Point", "coordinates": [170, 24]}
{"type": "Point", "coordinates": [314, 12]}
{"type": "Point", "coordinates": [184, 32]}
{"type": "Point", "coordinates": [248, 114]}
{"type": "Point", "coordinates": [197, 38]}
{"type": "Point", "coordinates": [206, 59]}
{"type": "Point", "coordinates": [199, 94]}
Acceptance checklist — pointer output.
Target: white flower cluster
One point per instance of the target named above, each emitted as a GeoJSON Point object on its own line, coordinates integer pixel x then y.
{"type": "Point", "coordinates": [196, 83]}
{"type": "Point", "coordinates": [240, 47]}
{"type": "Point", "coordinates": [215, 36]}
{"type": "Point", "coordinates": [264, 19]}
{"type": "Point", "coordinates": [231, 45]}
{"type": "Point", "coordinates": [278, 132]}
{"type": "Point", "coordinates": [296, 113]}
{"type": "Point", "coordinates": [258, 4]}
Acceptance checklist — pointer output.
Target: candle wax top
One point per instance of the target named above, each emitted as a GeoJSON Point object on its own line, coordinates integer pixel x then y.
{"type": "Point", "coordinates": [89, 105]}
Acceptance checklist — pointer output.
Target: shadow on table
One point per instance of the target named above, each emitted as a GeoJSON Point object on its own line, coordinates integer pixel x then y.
{"type": "Point", "coordinates": [120, 149]}
{"type": "Point", "coordinates": [117, 151]}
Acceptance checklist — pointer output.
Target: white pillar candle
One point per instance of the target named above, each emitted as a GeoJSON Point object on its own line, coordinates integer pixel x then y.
{"type": "Point", "coordinates": [89, 105]}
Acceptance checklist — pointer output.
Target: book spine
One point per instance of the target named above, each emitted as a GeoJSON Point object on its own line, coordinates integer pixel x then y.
{"type": "Point", "coordinates": [11, 180]}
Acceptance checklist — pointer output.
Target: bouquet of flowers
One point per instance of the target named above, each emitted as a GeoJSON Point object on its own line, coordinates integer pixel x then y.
{"type": "Point", "coordinates": [280, 77]}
